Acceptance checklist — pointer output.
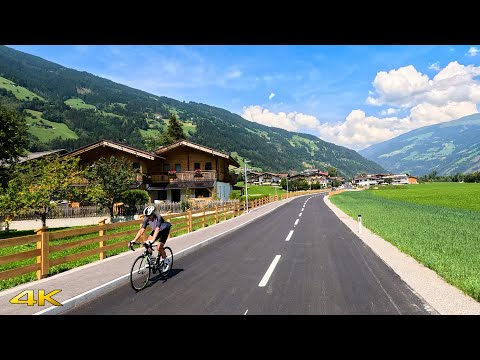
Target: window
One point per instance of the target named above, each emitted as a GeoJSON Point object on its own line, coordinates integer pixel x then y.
{"type": "Point", "coordinates": [196, 166]}
{"type": "Point", "coordinates": [178, 167]}
{"type": "Point", "coordinates": [166, 167]}
{"type": "Point", "coordinates": [208, 166]}
{"type": "Point", "coordinates": [162, 195]}
{"type": "Point", "coordinates": [136, 166]}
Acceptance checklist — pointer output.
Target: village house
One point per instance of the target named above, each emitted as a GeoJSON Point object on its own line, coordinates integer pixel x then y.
{"type": "Point", "coordinates": [182, 169]}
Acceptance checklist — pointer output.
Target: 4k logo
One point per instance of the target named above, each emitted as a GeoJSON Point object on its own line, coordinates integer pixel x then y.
{"type": "Point", "coordinates": [30, 300]}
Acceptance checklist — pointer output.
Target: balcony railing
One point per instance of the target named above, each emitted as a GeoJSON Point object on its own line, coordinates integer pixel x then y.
{"type": "Point", "coordinates": [185, 176]}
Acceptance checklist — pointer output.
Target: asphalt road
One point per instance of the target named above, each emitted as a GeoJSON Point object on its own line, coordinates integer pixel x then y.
{"type": "Point", "coordinates": [263, 268]}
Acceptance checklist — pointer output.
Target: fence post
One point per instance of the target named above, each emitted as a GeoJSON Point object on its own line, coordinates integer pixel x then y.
{"type": "Point", "coordinates": [43, 245]}
{"type": "Point", "coordinates": [224, 212]}
{"type": "Point", "coordinates": [190, 220]}
{"type": "Point", "coordinates": [203, 220]}
{"type": "Point", "coordinates": [216, 214]}
{"type": "Point", "coordinates": [102, 243]}
{"type": "Point", "coordinates": [244, 208]}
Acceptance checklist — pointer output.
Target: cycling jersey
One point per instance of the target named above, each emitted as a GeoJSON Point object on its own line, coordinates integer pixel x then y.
{"type": "Point", "coordinates": [158, 221]}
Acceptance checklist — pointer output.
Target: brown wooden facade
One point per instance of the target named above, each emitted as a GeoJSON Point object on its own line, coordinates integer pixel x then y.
{"type": "Point", "coordinates": [180, 169]}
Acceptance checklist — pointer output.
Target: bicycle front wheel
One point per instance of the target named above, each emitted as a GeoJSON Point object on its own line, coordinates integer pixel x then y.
{"type": "Point", "coordinates": [140, 273]}
{"type": "Point", "coordinates": [165, 271]}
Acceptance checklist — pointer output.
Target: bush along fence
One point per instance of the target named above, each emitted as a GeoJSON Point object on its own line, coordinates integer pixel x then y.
{"type": "Point", "coordinates": [46, 252]}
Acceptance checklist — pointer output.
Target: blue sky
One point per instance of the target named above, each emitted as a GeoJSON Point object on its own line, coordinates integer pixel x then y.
{"type": "Point", "coordinates": [353, 96]}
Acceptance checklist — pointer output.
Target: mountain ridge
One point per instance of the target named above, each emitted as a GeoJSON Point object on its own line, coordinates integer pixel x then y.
{"type": "Point", "coordinates": [448, 148]}
{"type": "Point", "coordinates": [94, 108]}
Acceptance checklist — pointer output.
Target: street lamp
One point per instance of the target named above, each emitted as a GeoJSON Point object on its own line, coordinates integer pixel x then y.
{"type": "Point", "coordinates": [287, 186]}
{"type": "Point", "coordinates": [246, 184]}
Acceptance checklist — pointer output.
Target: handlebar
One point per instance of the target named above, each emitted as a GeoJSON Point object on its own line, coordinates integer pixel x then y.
{"type": "Point", "coordinates": [145, 244]}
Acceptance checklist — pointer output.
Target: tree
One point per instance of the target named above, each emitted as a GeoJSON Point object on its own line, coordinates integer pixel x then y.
{"type": "Point", "coordinates": [41, 182]}
{"type": "Point", "coordinates": [174, 131]}
{"type": "Point", "coordinates": [332, 171]}
{"type": "Point", "coordinates": [152, 143]}
{"type": "Point", "coordinates": [108, 180]}
{"type": "Point", "coordinates": [11, 204]}
{"type": "Point", "coordinates": [13, 139]}
{"type": "Point", "coordinates": [132, 198]}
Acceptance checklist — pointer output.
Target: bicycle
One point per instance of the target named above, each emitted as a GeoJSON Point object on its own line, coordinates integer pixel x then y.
{"type": "Point", "coordinates": [146, 264]}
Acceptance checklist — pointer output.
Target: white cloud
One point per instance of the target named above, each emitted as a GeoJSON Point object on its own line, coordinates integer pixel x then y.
{"type": "Point", "coordinates": [453, 92]}
{"type": "Point", "coordinates": [435, 66]}
{"type": "Point", "coordinates": [270, 97]}
{"type": "Point", "coordinates": [406, 87]}
{"type": "Point", "coordinates": [398, 86]}
{"type": "Point", "coordinates": [233, 74]}
{"type": "Point", "coordinates": [473, 51]}
{"type": "Point", "coordinates": [389, 111]}
{"type": "Point", "coordinates": [292, 121]}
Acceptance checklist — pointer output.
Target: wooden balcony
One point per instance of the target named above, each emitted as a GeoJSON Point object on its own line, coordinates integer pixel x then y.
{"type": "Point", "coordinates": [185, 176]}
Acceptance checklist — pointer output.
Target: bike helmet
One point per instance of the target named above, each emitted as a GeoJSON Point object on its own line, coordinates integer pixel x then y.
{"type": "Point", "coordinates": [149, 210]}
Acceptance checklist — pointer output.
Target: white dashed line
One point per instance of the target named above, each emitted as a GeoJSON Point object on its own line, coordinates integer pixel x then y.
{"type": "Point", "coordinates": [246, 312]}
{"type": "Point", "coordinates": [300, 214]}
{"type": "Point", "coordinates": [289, 235]}
{"type": "Point", "coordinates": [269, 272]}
{"type": "Point", "coordinates": [296, 222]}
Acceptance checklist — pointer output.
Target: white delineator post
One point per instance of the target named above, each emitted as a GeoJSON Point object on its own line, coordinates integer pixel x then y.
{"type": "Point", "coordinates": [359, 224]}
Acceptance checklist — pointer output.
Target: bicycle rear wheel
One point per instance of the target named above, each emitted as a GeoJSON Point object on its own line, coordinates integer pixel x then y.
{"type": "Point", "coordinates": [164, 272]}
{"type": "Point", "coordinates": [140, 274]}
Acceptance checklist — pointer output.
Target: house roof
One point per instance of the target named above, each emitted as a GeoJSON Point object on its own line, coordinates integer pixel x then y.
{"type": "Point", "coordinates": [114, 145]}
{"type": "Point", "coordinates": [164, 149]}
{"type": "Point", "coordinates": [36, 155]}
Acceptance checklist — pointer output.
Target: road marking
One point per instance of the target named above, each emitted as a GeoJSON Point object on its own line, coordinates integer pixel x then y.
{"type": "Point", "coordinates": [92, 291]}
{"type": "Point", "coordinates": [296, 222]}
{"type": "Point", "coordinates": [289, 235]}
{"type": "Point", "coordinates": [246, 312]}
{"type": "Point", "coordinates": [269, 272]}
{"type": "Point", "coordinates": [300, 214]}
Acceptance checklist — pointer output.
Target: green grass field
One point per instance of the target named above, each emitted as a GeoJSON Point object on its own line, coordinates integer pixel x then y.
{"type": "Point", "coordinates": [437, 224]}
{"type": "Point", "coordinates": [50, 131]}
{"type": "Point", "coordinates": [77, 103]}
{"type": "Point", "coordinates": [189, 127]}
{"type": "Point", "coordinates": [20, 92]}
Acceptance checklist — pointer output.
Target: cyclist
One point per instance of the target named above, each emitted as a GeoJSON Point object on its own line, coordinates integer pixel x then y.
{"type": "Point", "coordinates": [160, 230]}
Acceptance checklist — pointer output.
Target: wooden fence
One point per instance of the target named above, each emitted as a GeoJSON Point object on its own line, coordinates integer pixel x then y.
{"type": "Point", "coordinates": [45, 245]}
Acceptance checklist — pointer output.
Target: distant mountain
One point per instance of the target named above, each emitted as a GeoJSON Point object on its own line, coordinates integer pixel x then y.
{"type": "Point", "coordinates": [448, 148]}
{"type": "Point", "coordinates": [68, 109]}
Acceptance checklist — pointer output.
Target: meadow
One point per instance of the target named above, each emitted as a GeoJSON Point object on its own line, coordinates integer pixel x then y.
{"type": "Point", "coordinates": [438, 224]}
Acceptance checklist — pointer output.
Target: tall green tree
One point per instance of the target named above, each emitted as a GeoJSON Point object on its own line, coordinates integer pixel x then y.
{"type": "Point", "coordinates": [13, 140]}
{"type": "Point", "coordinates": [152, 143]}
{"type": "Point", "coordinates": [174, 131]}
{"type": "Point", "coordinates": [108, 180]}
{"type": "Point", "coordinates": [11, 204]}
{"type": "Point", "coordinates": [41, 182]}
{"type": "Point", "coordinates": [332, 171]}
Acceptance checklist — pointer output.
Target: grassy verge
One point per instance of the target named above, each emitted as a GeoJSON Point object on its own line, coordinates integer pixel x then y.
{"type": "Point", "coordinates": [444, 239]}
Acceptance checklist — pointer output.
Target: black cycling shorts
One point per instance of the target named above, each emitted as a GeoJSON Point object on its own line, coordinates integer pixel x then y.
{"type": "Point", "coordinates": [162, 235]}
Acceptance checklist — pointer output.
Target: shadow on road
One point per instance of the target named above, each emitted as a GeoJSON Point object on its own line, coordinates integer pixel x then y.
{"type": "Point", "coordinates": [159, 277]}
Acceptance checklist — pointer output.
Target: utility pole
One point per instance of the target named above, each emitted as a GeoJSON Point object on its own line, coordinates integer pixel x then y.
{"type": "Point", "coordinates": [246, 184]}
{"type": "Point", "coordinates": [287, 186]}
